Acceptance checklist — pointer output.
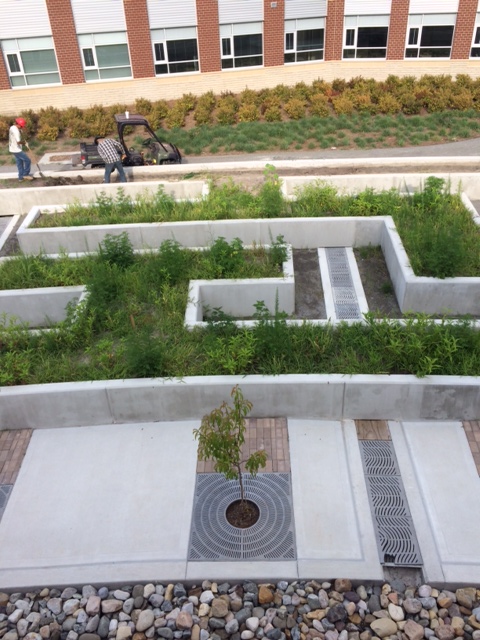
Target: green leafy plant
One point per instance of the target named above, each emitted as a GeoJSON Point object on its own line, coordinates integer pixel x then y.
{"type": "Point", "coordinates": [117, 250]}
{"type": "Point", "coordinates": [221, 436]}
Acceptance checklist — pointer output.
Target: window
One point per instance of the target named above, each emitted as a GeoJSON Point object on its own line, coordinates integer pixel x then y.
{"type": "Point", "coordinates": [304, 40]}
{"type": "Point", "coordinates": [31, 61]}
{"type": "Point", "coordinates": [365, 37]}
{"type": "Point", "coordinates": [475, 52]}
{"type": "Point", "coordinates": [430, 36]}
{"type": "Point", "coordinates": [175, 50]}
{"type": "Point", "coordinates": [105, 56]}
{"type": "Point", "coordinates": [241, 45]}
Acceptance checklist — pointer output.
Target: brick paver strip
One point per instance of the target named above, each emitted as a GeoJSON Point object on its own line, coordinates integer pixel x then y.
{"type": "Point", "coordinates": [13, 445]}
{"type": "Point", "coordinates": [372, 430]}
{"type": "Point", "coordinates": [270, 434]}
{"type": "Point", "coordinates": [472, 431]}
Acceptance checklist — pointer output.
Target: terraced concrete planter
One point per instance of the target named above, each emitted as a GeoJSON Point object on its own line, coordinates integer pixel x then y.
{"type": "Point", "coordinates": [238, 297]}
{"type": "Point", "coordinates": [39, 308]}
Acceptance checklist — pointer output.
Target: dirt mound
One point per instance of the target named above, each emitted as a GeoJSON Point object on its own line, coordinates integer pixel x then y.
{"type": "Point", "coordinates": [60, 181]}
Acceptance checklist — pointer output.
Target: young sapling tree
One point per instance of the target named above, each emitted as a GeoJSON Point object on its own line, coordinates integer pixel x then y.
{"type": "Point", "coordinates": [221, 436]}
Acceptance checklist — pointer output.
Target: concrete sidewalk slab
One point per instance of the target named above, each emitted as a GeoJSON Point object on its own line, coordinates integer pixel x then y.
{"type": "Point", "coordinates": [334, 527]}
{"type": "Point", "coordinates": [100, 504]}
{"type": "Point", "coordinates": [443, 490]}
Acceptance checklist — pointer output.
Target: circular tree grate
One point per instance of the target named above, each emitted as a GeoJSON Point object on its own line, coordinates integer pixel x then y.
{"type": "Point", "coordinates": [272, 537]}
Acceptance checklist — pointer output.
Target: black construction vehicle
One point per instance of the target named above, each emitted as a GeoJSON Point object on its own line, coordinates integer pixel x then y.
{"type": "Point", "coordinates": [151, 150]}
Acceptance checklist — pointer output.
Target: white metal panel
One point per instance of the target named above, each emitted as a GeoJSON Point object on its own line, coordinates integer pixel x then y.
{"type": "Point", "coordinates": [92, 16]}
{"type": "Point", "coordinates": [240, 11]}
{"type": "Point", "coordinates": [27, 19]}
{"type": "Point", "coordinates": [439, 6]}
{"type": "Point", "coordinates": [367, 7]}
{"type": "Point", "coordinates": [305, 9]}
{"type": "Point", "coordinates": [171, 13]}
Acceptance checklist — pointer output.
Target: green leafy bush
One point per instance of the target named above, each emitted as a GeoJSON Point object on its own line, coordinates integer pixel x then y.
{"type": "Point", "coordinates": [117, 250]}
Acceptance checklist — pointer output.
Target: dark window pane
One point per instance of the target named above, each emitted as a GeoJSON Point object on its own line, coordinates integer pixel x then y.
{"type": "Point", "coordinates": [227, 63]}
{"type": "Point", "coordinates": [350, 38]}
{"type": "Point", "coordinates": [179, 50]}
{"type": "Point", "coordinates": [13, 63]}
{"type": "Point", "coordinates": [372, 37]}
{"type": "Point", "coordinates": [413, 36]}
{"type": "Point", "coordinates": [411, 53]}
{"type": "Point", "coordinates": [475, 52]}
{"type": "Point", "coordinates": [310, 39]}
{"type": "Point", "coordinates": [159, 51]}
{"type": "Point", "coordinates": [289, 57]}
{"type": "Point", "coordinates": [477, 36]}
{"type": "Point", "coordinates": [161, 68]}
{"type": "Point", "coordinates": [183, 67]}
{"type": "Point", "coordinates": [226, 47]}
{"type": "Point", "coordinates": [349, 53]}
{"type": "Point", "coordinates": [288, 41]}
{"type": "Point", "coordinates": [435, 52]}
{"type": "Point", "coordinates": [253, 61]}
{"type": "Point", "coordinates": [306, 56]}
{"type": "Point", "coordinates": [88, 58]}
{"type": "Point", "coordinates": [371, 53]}
{"type": "Point", "coordinates": [249, 45]}
{"type": "Point", "coordinates": [437, 36]}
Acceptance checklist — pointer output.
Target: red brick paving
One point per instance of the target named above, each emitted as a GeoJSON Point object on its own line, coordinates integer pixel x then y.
{"type": "Point", "coordinates": [13, 445]}
{"type": "Point", "coordinates": [268, 433]}
{"type": "Point", "coordinates": [472, 431]}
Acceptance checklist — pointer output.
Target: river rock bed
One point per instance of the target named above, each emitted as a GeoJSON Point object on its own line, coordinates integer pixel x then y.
{"type": "Point", "coordinates": [245, 611]}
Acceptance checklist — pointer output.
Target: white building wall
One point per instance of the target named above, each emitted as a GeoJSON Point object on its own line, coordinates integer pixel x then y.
{"type": "Point", "coordinates": [28, 19]}
{"type": "Point", "coordinates": [305, 9]}
{"type": "Point", "coordinates": [230, 11]}
{"type": "Point", "coordinates": [439, 6]}
{"type": "Point", "coordinates": [163, 14]}
{"type": "Point", "coordinates": [98, 16]}
{"type": "Point", "coordinates": [367, 7]}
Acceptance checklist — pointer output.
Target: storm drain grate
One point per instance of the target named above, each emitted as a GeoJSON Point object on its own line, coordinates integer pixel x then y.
{"type": "Point", "coordinates": [396, 539]}
{"type": "Point", "coordinates": [343, 292]}
{"type": "Point", "coordinates": [272, 537]}
{"type": "Point", "coordinates": [5, 491]}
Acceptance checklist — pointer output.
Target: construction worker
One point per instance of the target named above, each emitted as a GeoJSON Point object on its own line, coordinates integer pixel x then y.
{"type": "Point", "coordinates": [15, 146]}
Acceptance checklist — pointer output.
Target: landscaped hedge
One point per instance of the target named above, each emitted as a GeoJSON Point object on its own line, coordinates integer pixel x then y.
{"type": "Point", "coordinates": [395, 95]}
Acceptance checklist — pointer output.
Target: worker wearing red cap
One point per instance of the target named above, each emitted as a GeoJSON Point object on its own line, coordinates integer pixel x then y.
{"type": "Point", "coordinates": [15, 146]}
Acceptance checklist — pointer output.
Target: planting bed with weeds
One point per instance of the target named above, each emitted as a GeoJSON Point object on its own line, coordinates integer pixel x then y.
{"type": "Point", "coordinates": [436, 229]}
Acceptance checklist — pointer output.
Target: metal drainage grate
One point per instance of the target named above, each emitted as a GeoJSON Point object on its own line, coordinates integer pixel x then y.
{"type": "Point", "coordinates": [5, 491]}
{"type": "Point", "coordinates": [272, 537]}
{"type": "Point", "coordinates": [345, 298]}
{"type": "Point", "coordinates": [396, 539]}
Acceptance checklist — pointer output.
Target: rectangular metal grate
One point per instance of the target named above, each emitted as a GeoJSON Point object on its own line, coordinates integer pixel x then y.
{"type": "Point", "coordinates": [343, 292]}
{"type": "Point", "coordinates": [396, 538]}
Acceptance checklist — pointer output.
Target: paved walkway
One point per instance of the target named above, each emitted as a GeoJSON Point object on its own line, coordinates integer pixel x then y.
{"type": "Point", "coordinates": [118, 508]}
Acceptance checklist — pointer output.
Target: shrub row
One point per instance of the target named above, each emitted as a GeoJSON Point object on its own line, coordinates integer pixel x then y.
{"type": "Point", "coordinates": [407, 95]}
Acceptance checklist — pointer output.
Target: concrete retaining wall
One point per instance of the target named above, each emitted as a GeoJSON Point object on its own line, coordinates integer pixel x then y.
{"type": "Point", "coordinates": [302, 233]}
{"type": "Point", "coordinates": [334, 396]}
{"type": "Point", "coordinates": [38, 307]}
{"type": "Point", "coordinates": [19, 201]}
{"type": "Point", "coordinates": [426, 295]}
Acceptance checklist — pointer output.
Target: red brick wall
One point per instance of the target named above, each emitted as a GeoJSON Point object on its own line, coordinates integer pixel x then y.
{"type": "Point", "coordinates": [208, 35]}
{"type": "Point", "coordinates": [334, 30]}
{"type": "Point", "coordinates": [462, 37]}
{"type": "Point", "coordinates": [273, 32]}
{"type": "Point", "coordinates": [65, 39]}
{"type": "Point", "coordinates": [397, 30]}
{"type": "Point", "coordinates": [139, 40]}
{"type": "Point", "coordinates": [4, 80]}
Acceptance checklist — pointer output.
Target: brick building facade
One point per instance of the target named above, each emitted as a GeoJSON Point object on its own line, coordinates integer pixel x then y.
{"type": "Point", "coordinates": [85, 51]}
